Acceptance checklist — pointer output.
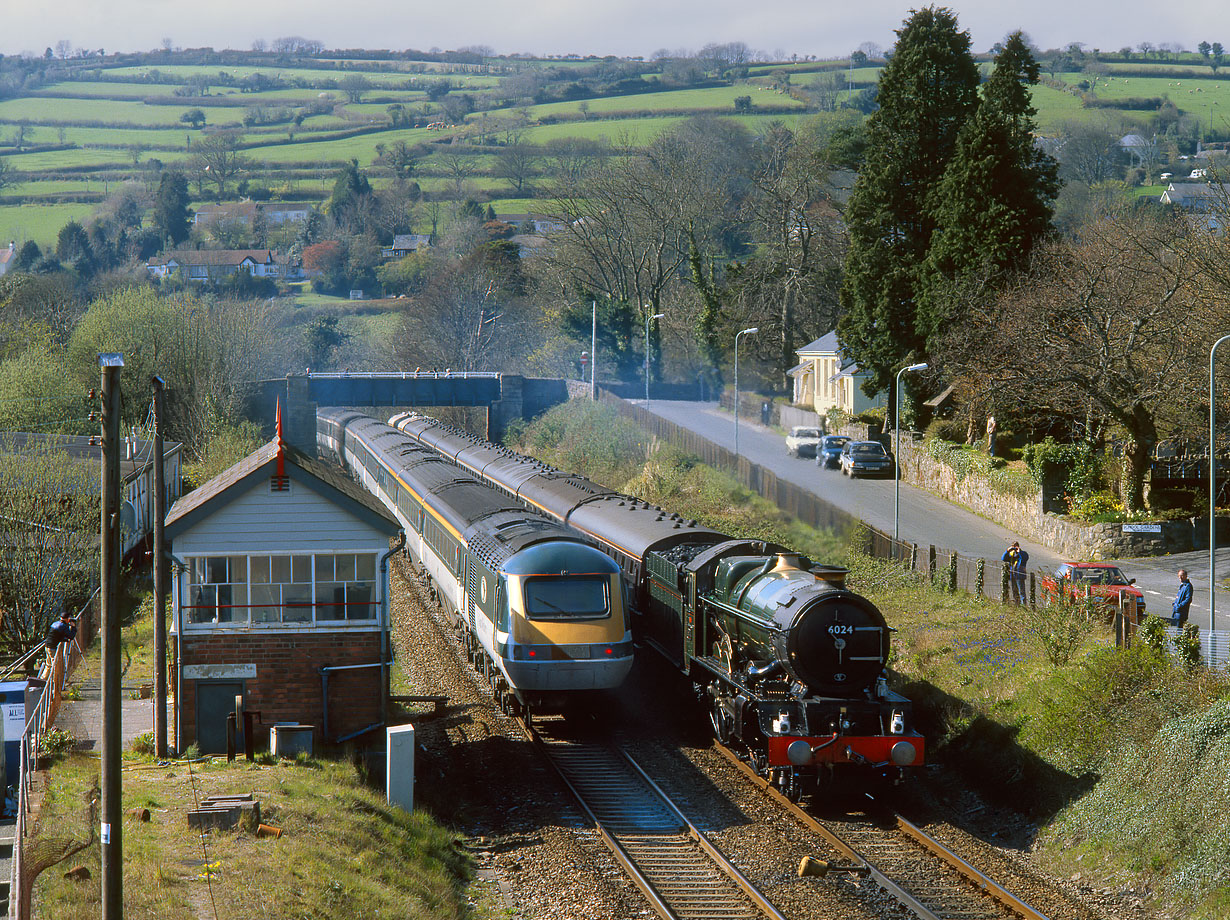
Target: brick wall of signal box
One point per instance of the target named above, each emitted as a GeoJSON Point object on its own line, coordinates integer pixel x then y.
{"type": "Point", "coordinates": [287, 686]}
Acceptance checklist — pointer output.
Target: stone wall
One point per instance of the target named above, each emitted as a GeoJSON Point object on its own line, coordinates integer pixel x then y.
{"type": "Point", "coordinates": [1025, 517]}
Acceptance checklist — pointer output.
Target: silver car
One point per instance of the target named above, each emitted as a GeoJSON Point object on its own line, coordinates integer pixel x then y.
{"type": "Point", "coordinates": [865, 458]}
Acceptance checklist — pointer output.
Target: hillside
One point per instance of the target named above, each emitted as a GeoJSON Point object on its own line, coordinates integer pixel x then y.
{"type": "Point", "coordinates": [73, 132]}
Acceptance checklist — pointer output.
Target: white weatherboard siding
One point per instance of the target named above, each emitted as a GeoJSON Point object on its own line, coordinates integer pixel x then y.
{"type": "Point", "coordinates": [260, 521]}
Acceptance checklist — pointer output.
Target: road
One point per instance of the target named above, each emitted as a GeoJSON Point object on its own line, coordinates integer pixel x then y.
{"type": "Point", "coordinates": [927, 519]}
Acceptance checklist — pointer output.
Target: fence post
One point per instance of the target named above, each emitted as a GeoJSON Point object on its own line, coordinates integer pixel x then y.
{"type": "Point", "coordinates": [931, 563]}
{"type": "Point", "coordinates": [982, 568]}
{"type": "Point", "coordinates": [1033, 592]}
{"type": "Point", "coordinates": [952, 573]}
{"type": "Point", "coordinates": [1003, 588]}
{"type": "Point", "coordinates": [913, 557]}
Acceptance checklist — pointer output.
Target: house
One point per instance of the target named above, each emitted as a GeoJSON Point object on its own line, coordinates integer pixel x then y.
{"type": "Point", "coordinates": [136, 473]}
{"type": "Point", "coordinates": [825, 379]}
{"type": "Point", "coordinates": [542, 224]}
{"type": "Point", "coordinates": [404, 244]}
{"type": "Point", "coordinates": [1197, 197]}
{"type": "Point", "coordinates": [276, 212]}
{"type": "Point", "coordinates": [280, 598]}
{"type": "Point", "coordinates": [216, 264]}
{"type": "Point", "coordinates": [8, 257]}
{"type": "Point", "coordinates": [1142, 150]}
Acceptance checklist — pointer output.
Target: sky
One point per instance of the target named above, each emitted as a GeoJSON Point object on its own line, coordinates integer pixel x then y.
{"type": "Point", "coordinates": [825, 28]}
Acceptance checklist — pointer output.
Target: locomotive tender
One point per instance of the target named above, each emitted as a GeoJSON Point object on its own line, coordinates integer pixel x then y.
{"type": "Point", "coordinates": [791, 664]}
{"type": "Point", "coordinates": [542, 611]}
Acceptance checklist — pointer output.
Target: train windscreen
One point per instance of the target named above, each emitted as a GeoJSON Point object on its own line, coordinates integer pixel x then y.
{"type": "Point", "coordinates": [568, 597]}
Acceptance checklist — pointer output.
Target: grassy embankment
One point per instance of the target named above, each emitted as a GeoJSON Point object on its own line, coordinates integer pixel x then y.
{"type": "Point", "coordinates": [1118, 756]}
{"type": "Point", "coordinates": [342, 849]}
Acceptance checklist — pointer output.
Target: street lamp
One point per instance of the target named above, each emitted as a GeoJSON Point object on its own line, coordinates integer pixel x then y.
{"type": "Point", "coordinates": [897, 450]}
{"type": "Point", "coordinates": [752, 330]}
{"type": "Point", "coordinates": [1213, 485]}
{"type": "Point", "coordinates": [648, 318]}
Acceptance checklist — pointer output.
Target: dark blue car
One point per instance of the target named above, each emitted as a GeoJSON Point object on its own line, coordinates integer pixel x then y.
{"type": "Point", "coordinates": [828, 454]}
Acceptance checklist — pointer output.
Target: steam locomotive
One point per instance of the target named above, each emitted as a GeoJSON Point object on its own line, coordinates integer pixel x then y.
{"type": "Point", "coordinates": [790, 664]}
{"type": "Point", "coordinates": [541, 610]}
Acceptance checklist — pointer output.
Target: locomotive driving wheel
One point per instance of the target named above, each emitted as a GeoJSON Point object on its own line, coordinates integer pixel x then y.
{"type": "Point", "coordinates": [720, 719]}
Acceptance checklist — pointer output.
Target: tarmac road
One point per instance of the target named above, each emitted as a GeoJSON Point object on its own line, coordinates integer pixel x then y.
{"type": "Point", "coordinates": [927, 519]}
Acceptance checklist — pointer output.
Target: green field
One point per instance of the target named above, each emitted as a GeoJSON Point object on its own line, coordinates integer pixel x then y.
{"type": "Point", "coordinates": [101, 111]}
{"type": "Point", "coordinates": [37, 222]}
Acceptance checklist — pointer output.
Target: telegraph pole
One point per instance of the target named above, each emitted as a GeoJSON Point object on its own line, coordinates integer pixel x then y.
{"type": "Point", "coordinates": [111, 830]}
{"type": "Point", "coordinates": [160, 582]}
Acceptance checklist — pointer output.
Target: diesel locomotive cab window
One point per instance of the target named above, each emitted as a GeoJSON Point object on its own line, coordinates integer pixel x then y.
{"type": "Point", "coordinates": [568, 598]}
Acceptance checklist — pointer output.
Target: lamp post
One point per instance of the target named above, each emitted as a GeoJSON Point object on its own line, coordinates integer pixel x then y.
{"type": "Point", "coordinates": [648, 319]}
{"type": "Point", "coordinates": [751, 330]}
{"type": "Point", "coordinates": [1213, 485]}
{"type": "Point", "coordinates": [897, 449]}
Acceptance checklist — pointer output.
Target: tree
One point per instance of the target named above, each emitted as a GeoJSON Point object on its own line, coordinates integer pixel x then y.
{"type": "Point", "coordinates": [73, 247]}
{"type": "Point", "coordinates": [1107, 324]}
{"type": "Point", "coordinates": [351, 199]}
{"type": "Point", "coordinates": [517, 164]}
{"type": "Point", "coordinates": [1217, 55]}
{"type": "Point", "coordinates": [193, 117]}
{"type": "Point", "coordinates": [927, 91]}
{"type": "Point", "coordinates": [322, 339]}
{"type": "Point", "coordinates": [354, 85]}
{"type": "Point", "coordinates": [1089, 152]}
{"type": "Point", "coordinates": [789, 286]}
{"type": "Point", "coordinates": [49, 531]}
{"type": "Point", "coordinates": [220, 158]}
{"type": "Point", "coordinates": [994, 201]}
{"type": "Point", "coordinates": [171, 215]}
{"type": "Point", "coordinates": [9, 177]}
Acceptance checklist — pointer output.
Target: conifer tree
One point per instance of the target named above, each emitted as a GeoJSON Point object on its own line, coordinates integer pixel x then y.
{"type": "Point", "coordinates": [927, 91]}
{"type": "Point", "coordinates": [994, 201]}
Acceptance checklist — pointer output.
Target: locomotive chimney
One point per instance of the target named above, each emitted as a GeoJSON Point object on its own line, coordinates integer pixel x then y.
{"type": "Point", "coordinates": [835, 575]}
{"type": "Point", "coordinates": [787, 561]}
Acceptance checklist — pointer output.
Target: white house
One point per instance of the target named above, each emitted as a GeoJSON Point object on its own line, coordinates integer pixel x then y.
{"type": "Point", "coordinates": [215, 264]}
{"type": "Point", "coordinates": [826, 379]}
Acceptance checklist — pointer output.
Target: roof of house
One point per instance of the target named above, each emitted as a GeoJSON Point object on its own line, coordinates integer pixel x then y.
{"type": "Point", "coordinates": [409, 240]}
{"type": "Point", "coordinates": [324, 479]}
{"type": "Point", "coordinates": [826, 344]}
{"type": "Point", "coordinates": [215, 257]}
{"type": "Point", "coordinates": [137, 455]}
{"type": "Point", "coordinates": [247, 209]}
{"type": "Point", "coordinates": [1194, 194]}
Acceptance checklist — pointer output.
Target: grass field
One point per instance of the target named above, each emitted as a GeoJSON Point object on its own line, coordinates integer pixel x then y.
{"type": "Point", "coordinates": [38, 222]}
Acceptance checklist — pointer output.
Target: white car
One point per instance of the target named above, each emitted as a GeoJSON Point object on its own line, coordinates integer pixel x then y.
{"type": "Point", "coordinates": [803, 441]}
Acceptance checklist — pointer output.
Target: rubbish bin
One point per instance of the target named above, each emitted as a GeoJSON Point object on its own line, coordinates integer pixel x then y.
{"type": "Point", "coordinates": [13, 697]}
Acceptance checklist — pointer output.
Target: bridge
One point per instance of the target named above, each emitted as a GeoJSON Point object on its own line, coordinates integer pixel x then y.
{"type": "Point", "coordinates": [505, 396]}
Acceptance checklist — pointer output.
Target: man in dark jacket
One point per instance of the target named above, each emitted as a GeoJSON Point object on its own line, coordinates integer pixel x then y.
{"type": "Point", "coordinates": [62, 630]}
{"type": "Point", "coordinates": [1017, 561]}
{"type": "Point", "coordinates": [1182, 600]}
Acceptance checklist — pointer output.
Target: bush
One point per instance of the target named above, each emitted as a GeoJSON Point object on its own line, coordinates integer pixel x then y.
{"type": "Point", "coordinates": [945, 429]}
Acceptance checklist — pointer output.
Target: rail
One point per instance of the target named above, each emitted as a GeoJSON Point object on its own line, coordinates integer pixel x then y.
{"type": "Point", "coordinates": [680, 872]}
{"type": "Point", "coordinates": [859, 863]}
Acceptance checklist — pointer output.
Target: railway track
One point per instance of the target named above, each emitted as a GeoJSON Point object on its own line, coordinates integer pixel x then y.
{"type": "Point", "coordinates": [681, 873]}
{"type": "Point", "coordinates": [920, 872]}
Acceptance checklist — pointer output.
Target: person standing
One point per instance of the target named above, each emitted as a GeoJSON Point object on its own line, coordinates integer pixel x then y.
{"type": "Point", "coordinates": [63, 630]}
{"type": "Point", "coordinates": [1018, 561]}
{"type": "Point", "coordinates": [1182, 600]}
{"type": "Point", "coordinates": [991, 426]}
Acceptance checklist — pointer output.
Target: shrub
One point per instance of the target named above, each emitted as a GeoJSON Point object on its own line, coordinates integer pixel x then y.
{"type": "Point", "coordinates": [1059, 629]}
{"type": "Point", "coordinates": [945, 429]}
{"type": "Point", "coordinates": [143, 744]}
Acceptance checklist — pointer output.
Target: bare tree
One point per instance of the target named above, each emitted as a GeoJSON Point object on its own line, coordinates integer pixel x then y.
{"type": "Point", "coordinates": [49, 529]}
{"type": "Point", "coordinates": [517, 164]}
{"type": "Point", "coordinates": [219, 158]}
{"type": "Point", "coordinates": [1108, 324]}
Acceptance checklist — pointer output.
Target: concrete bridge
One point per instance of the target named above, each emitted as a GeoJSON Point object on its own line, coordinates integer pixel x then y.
{"type": "Point", "coordinates": [505, 396]}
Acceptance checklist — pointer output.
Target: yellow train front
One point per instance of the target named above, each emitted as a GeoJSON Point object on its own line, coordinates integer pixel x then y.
{"type": "Point", "coordinates": [542, 612]}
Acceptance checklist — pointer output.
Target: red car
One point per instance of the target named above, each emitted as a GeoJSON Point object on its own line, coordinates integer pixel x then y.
{"type": "Point", "coordinates": [1097, 581]}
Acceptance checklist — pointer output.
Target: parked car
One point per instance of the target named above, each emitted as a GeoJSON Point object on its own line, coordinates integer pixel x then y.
{"type": "Point", "coordinates": [865, 458]}
{"type": "Point", "coordinates": [803, 441]}
{"type": "Point", "coordinates": [828, 454]}
{"type": "Point", "coordinates": [1099, 582]}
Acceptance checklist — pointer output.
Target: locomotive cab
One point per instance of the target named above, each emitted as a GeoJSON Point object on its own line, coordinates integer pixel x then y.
{"type": "Point", "coordinates": [561, 623]}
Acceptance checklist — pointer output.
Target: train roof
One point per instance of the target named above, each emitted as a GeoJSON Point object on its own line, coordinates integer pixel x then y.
{"type": "Point", "coordinates": [493, 525]}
